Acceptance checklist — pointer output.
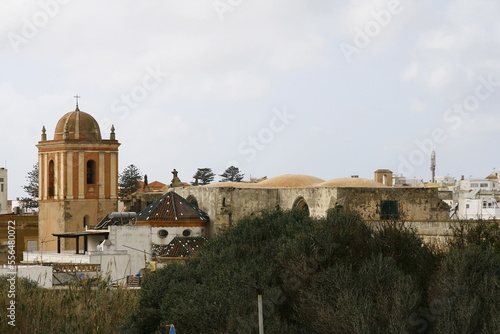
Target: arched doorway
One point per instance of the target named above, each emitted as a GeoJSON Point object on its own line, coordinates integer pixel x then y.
{"type": "Point", "coordinates": [192, 200]}
{"type": "Point", "coordinates": [301, 203]}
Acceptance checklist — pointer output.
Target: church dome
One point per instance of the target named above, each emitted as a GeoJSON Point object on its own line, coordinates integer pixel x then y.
{"type": "Point", "coordinates": [351, 182]}
{"type": "Point", "coordinates": [289, 181]}
{"type": "Point", "coordinates": [77, 125]}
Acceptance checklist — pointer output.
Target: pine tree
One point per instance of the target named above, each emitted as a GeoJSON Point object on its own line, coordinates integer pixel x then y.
{"type": "Point", "coordinates": [232, 174]}
{"type": "Point", "coordinates": [31, 201]}
{"type": "Point", "coordinates": [128, 182]}
{"type": "Point", "coordinates": [203, 176]}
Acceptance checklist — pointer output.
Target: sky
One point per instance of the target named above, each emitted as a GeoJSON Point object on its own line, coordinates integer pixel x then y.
{"type": "Point", "coordinates": [323, 88]}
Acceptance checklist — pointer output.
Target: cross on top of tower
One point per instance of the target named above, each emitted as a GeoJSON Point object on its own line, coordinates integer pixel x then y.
{"type": "Point", "coordinates": [77, 97]}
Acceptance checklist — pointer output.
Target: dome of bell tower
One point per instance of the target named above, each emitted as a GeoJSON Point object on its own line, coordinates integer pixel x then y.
{"type": "Point", "coordinates": [77, 125]}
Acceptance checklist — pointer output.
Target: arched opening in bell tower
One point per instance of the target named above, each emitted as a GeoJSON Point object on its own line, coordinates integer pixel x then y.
{"type": "Point", "coordinates": [51, 188]}
{"type": "Point", "coordinates": [91, 172]}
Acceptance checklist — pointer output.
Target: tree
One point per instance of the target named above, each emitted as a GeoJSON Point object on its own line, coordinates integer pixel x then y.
{"type": "Point", "coordinates": [31, 201]}
{"type": "Point", "coordinates": [128, 182]}
{"type": "Point", "coordinates": [203, 176]}
{"type": "Point", "coordinates": [232, 174]}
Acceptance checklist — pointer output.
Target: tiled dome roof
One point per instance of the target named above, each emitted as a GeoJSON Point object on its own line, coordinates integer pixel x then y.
{"type": "Point", "coordinates": [77, 125]}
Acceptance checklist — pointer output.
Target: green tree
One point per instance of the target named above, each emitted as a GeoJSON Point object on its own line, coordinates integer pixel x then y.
{"type": "Point", "coordinates": [128, 182]}
{"type": "Point", "coordinates": [203, 176]}
{"type": "Point", "coordinates": [484, 234]}
{"type": "Point", "coordinates": [31, 201]}
{"type": "Point", "coordinates": [232, 174]}
{"type": "Point", "coordinates": [465, 294]}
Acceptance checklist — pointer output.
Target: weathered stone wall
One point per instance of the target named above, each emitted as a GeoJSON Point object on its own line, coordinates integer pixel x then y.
{"type": "Point", "coordinates": [414, 203]}
{"type": "Point", "coordinates": [226, 205]}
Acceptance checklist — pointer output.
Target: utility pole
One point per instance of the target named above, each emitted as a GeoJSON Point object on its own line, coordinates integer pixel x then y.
{"type": "Point", "coordinates": [261, 315]}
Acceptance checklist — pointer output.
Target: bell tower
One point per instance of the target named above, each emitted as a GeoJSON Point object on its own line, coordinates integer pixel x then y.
{"type": "Point", "coordinates": [78, 178]}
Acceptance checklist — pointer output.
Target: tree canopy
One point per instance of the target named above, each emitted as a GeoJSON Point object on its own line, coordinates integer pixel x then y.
{"type": "Point", "coordinates": [31, 188]}
{"type": "Point", "coordinates": [331, 275]}
{"type": "Point", "coordinates": [128, 182]}
{"type": "Point", "coordinates": [232, 174]}
{"type": "Point", "coordinates": [203, 176]}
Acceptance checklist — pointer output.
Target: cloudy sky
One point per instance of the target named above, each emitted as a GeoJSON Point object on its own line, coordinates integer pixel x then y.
{"type": "Point", "coordinates": [317, 87]}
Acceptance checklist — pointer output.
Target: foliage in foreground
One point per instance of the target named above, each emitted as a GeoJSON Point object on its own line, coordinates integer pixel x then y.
{"type": "Point", "coordinates": [87, 307]}
{"type": "Point", "coordinates": [332, 275]}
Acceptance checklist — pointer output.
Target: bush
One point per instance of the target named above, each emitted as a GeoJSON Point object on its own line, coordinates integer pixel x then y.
{"type": "Point", "coordinates": [84, 308]}
{"type": "Point", "coordinates": [465, 294]}
{"type": "Point", "coordinates": [376, 298]}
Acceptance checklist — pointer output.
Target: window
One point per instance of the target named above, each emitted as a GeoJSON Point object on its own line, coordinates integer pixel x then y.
{"type": "Point", "coordinates": [91, 172]}
{"type": "Point", "coordinates": [186, 233]}
{"type": "Point", "coordinates": [2, 188]}
{"type": "Point", "coordinates": [467, 206]}
{"type": "Point", "coordinates": [474, 185]}
{"type": "Point", "coordinates": [31, 246]}
{"type": "Point", "coordinates": [162, 233]}
{"type": "Point", "coordinates": [1, 179]}
{"type": "Point", "coordinates": [389, 210]}
{"type": "Point", "coordinates": [484, 185]}
{"type": "Point", "coordinates": [51, 179]}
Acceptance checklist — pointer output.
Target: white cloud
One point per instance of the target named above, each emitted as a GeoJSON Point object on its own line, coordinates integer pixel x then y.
{"type": "Point", "coordinates": [410, 72]}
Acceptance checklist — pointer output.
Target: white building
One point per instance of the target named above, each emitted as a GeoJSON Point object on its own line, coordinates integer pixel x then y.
{"type": "Point", "coordinates": [3, 190]}
{"type": "Point", "coordinates": [117, 252]}
{"type": "Point", "coordinates": [476, 199]}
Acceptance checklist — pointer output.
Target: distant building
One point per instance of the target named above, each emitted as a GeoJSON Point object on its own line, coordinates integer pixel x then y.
{"type": "Point", "coordinates": [3, 191]}
{"type": "Point", "coordinates": [476, 198]}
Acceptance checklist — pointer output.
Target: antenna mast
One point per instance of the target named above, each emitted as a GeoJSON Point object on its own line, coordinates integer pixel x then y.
{"type": "Point", "coordinates": [433, 166]}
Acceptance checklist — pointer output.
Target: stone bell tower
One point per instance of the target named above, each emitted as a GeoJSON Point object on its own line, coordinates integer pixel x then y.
{"type": "Point", "coordinates": [78, 178]}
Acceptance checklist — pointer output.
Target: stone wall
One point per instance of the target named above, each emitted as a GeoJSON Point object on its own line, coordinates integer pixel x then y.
{"type": "Point", "coordinates": [226, 205]}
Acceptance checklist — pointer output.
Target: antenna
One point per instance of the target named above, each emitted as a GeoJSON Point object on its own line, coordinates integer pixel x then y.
{"type": "Point", "coordinates": [433, 166]}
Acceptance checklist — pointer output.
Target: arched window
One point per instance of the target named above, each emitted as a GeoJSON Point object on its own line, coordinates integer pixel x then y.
{"type": "Point", "coordinates": [301, 204]}
{"type": "Point", "coordinates": [51, 188]}
{"type": "Point", "coordinates": [192, 200]}
{"type": "Point", "coordinates": [91, 172]}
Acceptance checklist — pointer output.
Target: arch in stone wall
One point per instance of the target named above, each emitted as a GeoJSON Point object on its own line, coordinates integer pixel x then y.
{"type": "Point", "coordinates": [301, 203]}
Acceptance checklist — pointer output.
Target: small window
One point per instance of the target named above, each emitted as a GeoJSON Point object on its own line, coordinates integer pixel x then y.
{"type": "Point", "coordinates": [467, 206]}
{"type": "Point", "coordinates": [2, 187]}
{"type": "Point", "coordinates": [162, 234]}
{"type": "Point", "coordinates": [91, 172]}
{"type": "Point", "coordinates": [31, 246]}
{"type": "Point", "coordinates": [389, 210]}
{"type": "Point", "coordinates": [186, 233]}
{"type": "Point", "coordinates": [1, 179]}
